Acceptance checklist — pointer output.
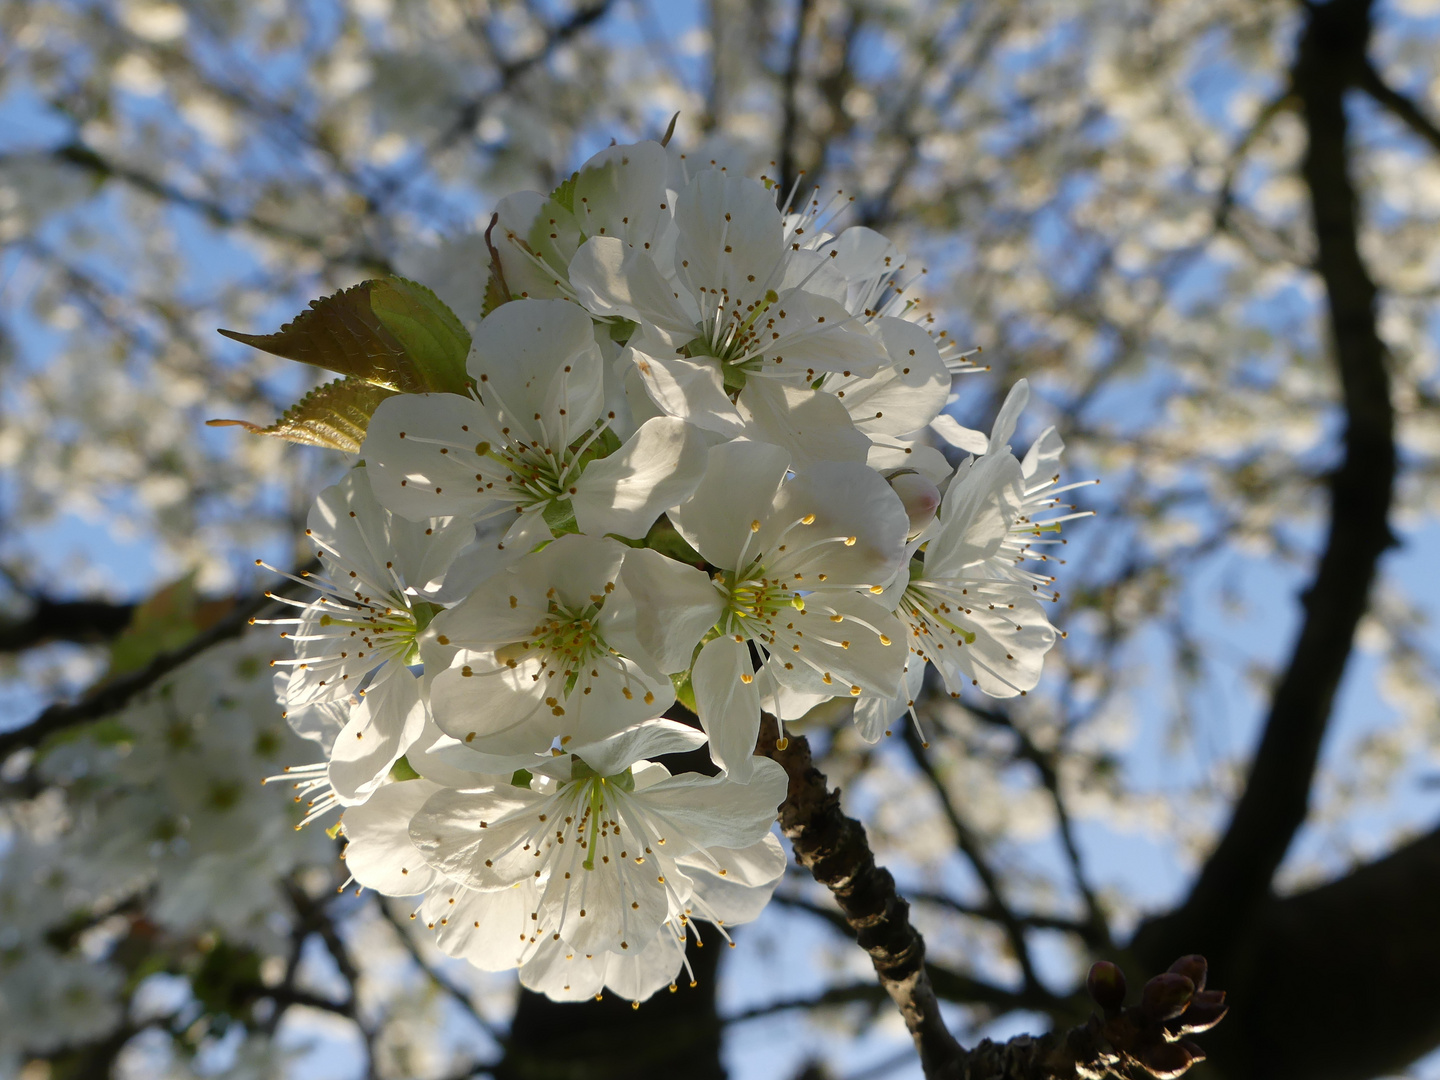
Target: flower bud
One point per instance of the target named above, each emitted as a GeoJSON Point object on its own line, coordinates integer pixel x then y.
{"type": "Point", "coordinates": [1193, 967]}
{"type": "Point", "coordinates": [919, 496]}
{"type": "Point", "coordinates": [1166, 996]}
{"type": "Point", "coordinates": [1207, 1008]}
{"type": "Point", "coordinates": [1169, 1060]}
{"type": "Point", "coordinates": [1106, 985]}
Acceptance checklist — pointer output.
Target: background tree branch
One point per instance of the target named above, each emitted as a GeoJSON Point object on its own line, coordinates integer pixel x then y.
{"type": "Point", "coordinates": [1236, 878]}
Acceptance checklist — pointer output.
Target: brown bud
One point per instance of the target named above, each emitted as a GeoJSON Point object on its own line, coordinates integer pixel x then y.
{"type": "Point", "coordinates": [1207, 1008]}
{"type": "Point", "coordinates": [1193, 967]}
{"type": "Point", "coordinates": [1166, 996]}
{"type": "Point", "coordinates": [1106, 985]}
{"type": "Point", "coordinates": [1165, 1061]}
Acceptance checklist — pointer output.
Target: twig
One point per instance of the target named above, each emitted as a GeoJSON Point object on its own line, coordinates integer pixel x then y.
{"type": "Point", "coordinates": [969, 844]}
{"type": "Point", "coordinates": [866, 992]}
{"type": "Point", "coordinates": [87, 622]}
{"type": "Point", "coordinates": [1401, 106]}
{"type": "Point", "coordinates": [114, 695]}
{"type": "Point", "coordinates": [1096, 929]}
{"type": "Point", "coordinates": [1146, 1037]}
{"type": "Point", "coordinates": [790, 95]}
{"type": "Point", "coordinates": [834, 848]}
{"type": "Point", "coordinates": [460, 996]}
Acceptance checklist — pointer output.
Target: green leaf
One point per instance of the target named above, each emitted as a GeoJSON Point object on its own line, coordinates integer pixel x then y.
{"type": "Point", "coordinates": [334, 415]}
{"type": "Point", "coordinates": [522, 778]}
{"type": "Point", "coordinates": [387, 331]}
{"type": "Point", "coordinates": [434, 339]}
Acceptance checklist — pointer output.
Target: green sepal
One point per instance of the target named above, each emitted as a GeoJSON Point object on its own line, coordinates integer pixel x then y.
{"type": "Point", "coordinates": [733, 377]}
{"type": "Point", "coordinates": [565, 193]}
{"type": "Point", "coordinates": [559, 514]}
{"type": "Point", "coordinates": [403, 770]}
{"type": "Point", "coordinates": [494, 295]}
{"type": "Point", "coordinates": [664, 538]}
{"type": "Point", "coordinates": [684, 691]}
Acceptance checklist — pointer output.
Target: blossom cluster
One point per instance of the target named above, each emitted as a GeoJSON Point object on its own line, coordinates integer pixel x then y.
{"type": "Point", "coordinates": [694, 464]}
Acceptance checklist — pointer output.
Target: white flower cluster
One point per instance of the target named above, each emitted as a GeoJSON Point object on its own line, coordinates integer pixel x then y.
{"type": "Point", "coordinates": [692, 465]}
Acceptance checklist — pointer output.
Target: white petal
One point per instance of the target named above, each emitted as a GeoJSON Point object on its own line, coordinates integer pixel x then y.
{"type": "Point", "coordinates": [804, 334]}
{"type": "Point", "coordinates": [1008, 652]}
{"type": "Point", "coordinates": [492, 930]}
{"type": "Point", "coordinates": [660, 611]}
{"type": "Point", "coordinates": [731, 235]}
{"type": "Point", "coordinates": [388, 719]}
{"type": "Point", "coordinates": [1004, 428]}
{"type": "Point", "coordinates": [1043, 458]}
{"type": "Point", "coordinates": [925, 460]}
{"type": "Point", "coordinates": [562, 972]}
{"type": "Point", "coordinates": [392, 553]}
{"type": "Point", "coordinates": [379, 852]}
{"type": "Point", "coordinates": [539, 371]}
{"type": "Point", "coordinates": [848, 501]}
{"type": "Point", "coordinates": [876, 715]}
{"type": "Point", "coordinates": [651, 739]}
{"type": "Point", "coordinates": [654, 470]}
{"type": "Point", "coordinates": [729, 704]}
{"type": "Point", "coordinates": [408, 473]}
{"type": "Point", "coordinates": [536, 238]}
{"type": "Point", "coordinates": [739, 488]}
{"type": "Point", "coordinates": [717, 811]}
{"type": "Point", "coordinates": [975, 516]}
{"type": "Point", "coordinates": [812, 424]}
{"type": "Point", "coordinates": [692, 390]}
{"type": "Point", "coordinates": [458, 831]}
{"type": "Point", "coordinates": [959, 436]}
{"type": "Point", "coordinates": [612, 278]}
{"type": "Point", "coordinates": [636, 978]}
{"type": "Point", "coordinates": [907, 393]}
{"type": "Point", "coordinates": [491, 708]}
{"type": "Point", "coordinates": [742, 891]}
{"type": "Point", "coordinates": [621, 192]}
{"type": "Point", "coordinates": [849, 652]}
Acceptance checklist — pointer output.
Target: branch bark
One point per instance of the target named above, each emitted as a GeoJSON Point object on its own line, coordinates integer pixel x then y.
{"type": "Point", "coordinates": [86, 622]}
{"type": "Point", "coordinates": [115, 694]}
{"type": "Point", "coordinates": [1146, 1037]}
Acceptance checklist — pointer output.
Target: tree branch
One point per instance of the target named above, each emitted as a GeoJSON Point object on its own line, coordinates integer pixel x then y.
{"type": "Point", "coordinates": [834, 849]}
{"type": "Point", "coordinates": [459, 995]}
{"type": "Point", "coordinates": [86, 622]}
{"type": "Point", "coordinates": [115, 694]}
{"type": "Point", "coordinates": [1342, 977]}
{"type": "Point", "coordinates": [1096, 930]}
{"type": "Point", "coordinates": [1401, 106]}
{"type": "Point", "coordinates": [1236, 879]}
{"type": "Point", "coordinates": [969, 843]}
{"type": "Point", "coordinates": [1147, 1037]}
{"type": "Point", "coordinates": [790, 96]}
